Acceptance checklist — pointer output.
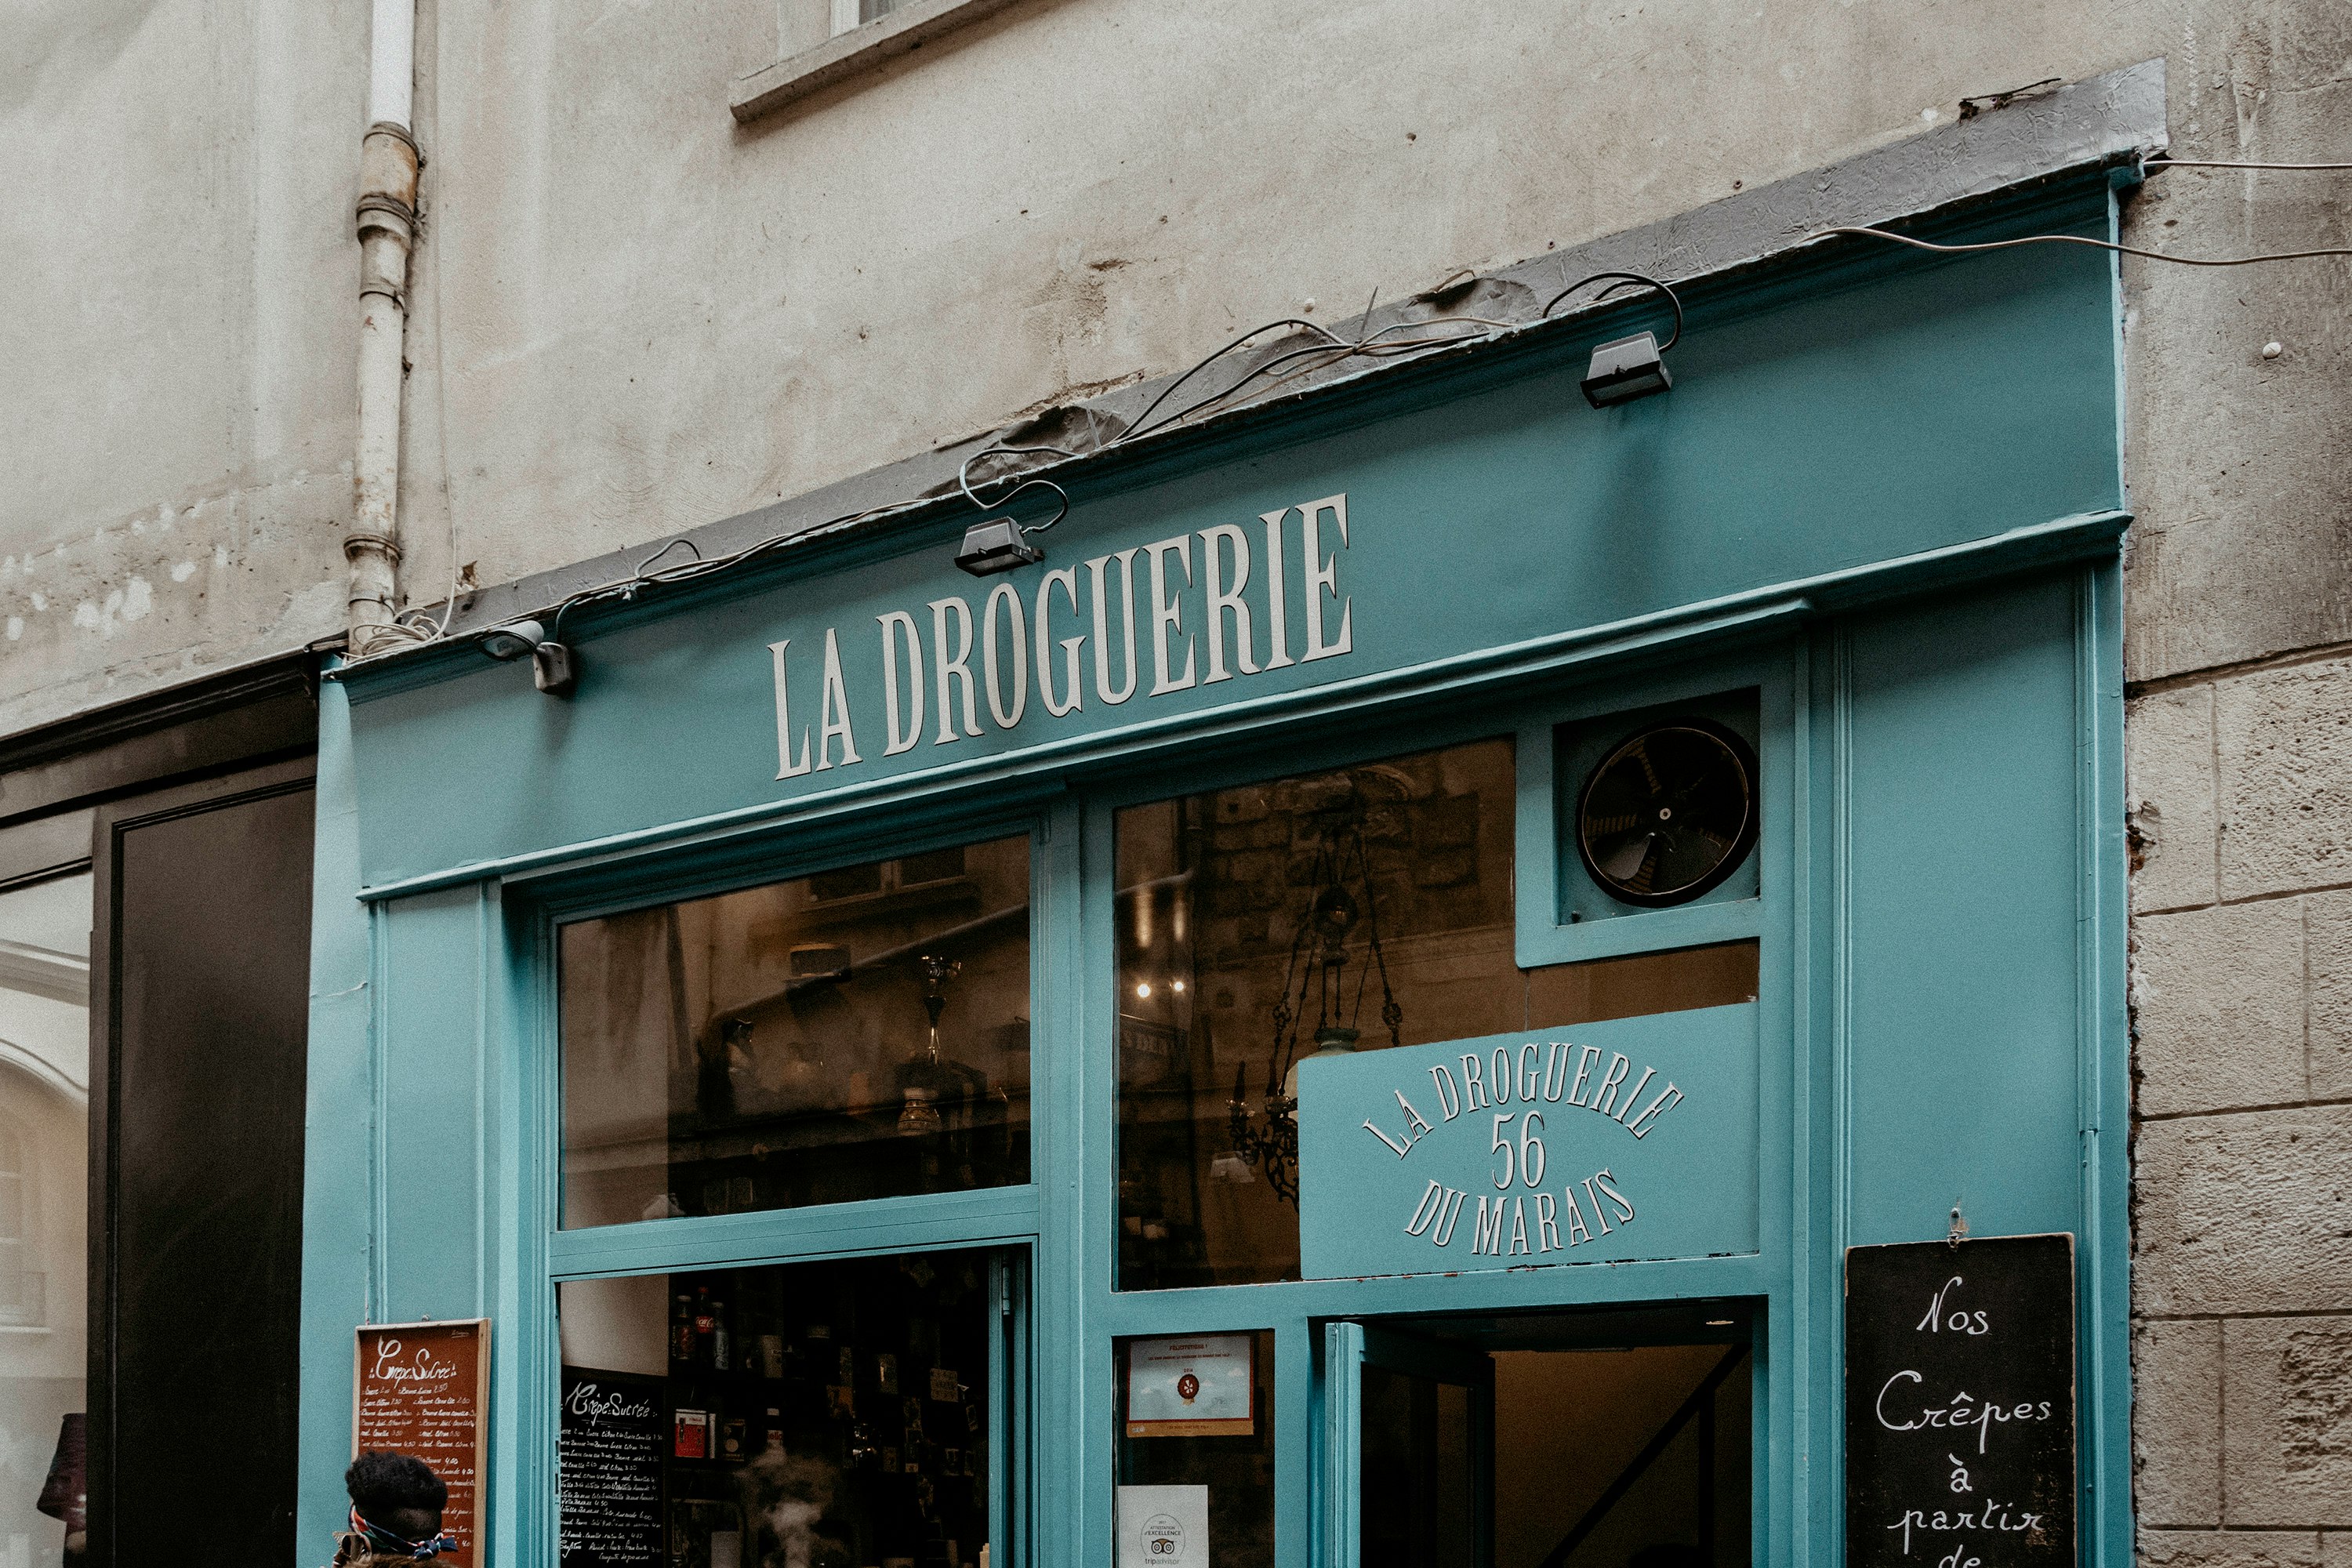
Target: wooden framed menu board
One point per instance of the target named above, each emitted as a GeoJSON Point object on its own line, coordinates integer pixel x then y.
{"type": "Point", "coordinates": [425, 1389]}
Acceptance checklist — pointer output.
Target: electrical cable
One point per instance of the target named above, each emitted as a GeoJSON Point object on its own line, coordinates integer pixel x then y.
{"type": "Point", "coordinates": [1334, 349]}
{"type": "Point", "coordinates": [1282, 365]}
{"type": "Point", "coordinates": [1672, 298]}
{"type": "Point", "coordinates": [2163, 161]}
{"type": "Point", "coordinates": [2075, 239]}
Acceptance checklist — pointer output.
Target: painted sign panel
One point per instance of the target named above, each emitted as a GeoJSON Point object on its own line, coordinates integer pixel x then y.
{"type": "Point", "coordinates": [424, 1389]}
{"type": "Point", "coordinates": [1959, 1395]}
{"type": "Point", "coordinates": [1812, 437]}
{"type": "Point", "coordinates": [1630, 1139]}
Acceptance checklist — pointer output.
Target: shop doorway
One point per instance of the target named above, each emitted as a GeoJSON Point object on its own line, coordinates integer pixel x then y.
{"type": "Point", "coordinates": [1614, 1439]}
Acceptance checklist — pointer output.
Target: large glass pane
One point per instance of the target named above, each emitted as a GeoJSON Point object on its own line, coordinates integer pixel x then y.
{"type": "Point", "coordinates": [1194, 1419]}
{"type": "Point", "coordinates": [44, 1230]}
{"type": "Point", "coordinates": [1354, 910]}
{"type": "Point", "coordinates": [861, 1033]}
{"type": "Point", "coordinates": [831, 1414]}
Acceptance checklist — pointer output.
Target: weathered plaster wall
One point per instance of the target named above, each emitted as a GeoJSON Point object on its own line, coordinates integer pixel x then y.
{"type": "Point", "coordinates": [175, 347]}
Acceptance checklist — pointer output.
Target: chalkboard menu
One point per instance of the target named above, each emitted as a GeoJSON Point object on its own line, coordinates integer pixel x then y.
{"type": "Point", "coordinates": [422, 1390]}
{"type": "Point", "coordinates": [609, 1455]}
{"type": "Point", "coordinates": [1959, 1404]}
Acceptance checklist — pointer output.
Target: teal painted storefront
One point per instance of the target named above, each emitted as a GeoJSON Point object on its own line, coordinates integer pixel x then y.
{"type": "Point", "coordinates": [1884, 495]}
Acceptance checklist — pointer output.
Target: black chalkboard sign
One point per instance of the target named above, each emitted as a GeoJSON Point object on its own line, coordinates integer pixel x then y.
{"type": "Point", "coordinates": [609, 1461]}
{"type": "Point", "coordinates": [1959, 1404]}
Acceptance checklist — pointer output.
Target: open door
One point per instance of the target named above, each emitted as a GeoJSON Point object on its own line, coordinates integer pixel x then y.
{"type": "Point", "coordinates": [1410, 1446]}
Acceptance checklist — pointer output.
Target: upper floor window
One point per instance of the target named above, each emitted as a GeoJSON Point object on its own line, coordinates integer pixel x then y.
{"type": "Point", "coordinates": [860, 1032]}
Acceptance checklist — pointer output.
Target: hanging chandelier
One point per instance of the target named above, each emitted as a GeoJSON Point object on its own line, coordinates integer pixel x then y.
{"type": "Point", "coordinates": [1339, 898]}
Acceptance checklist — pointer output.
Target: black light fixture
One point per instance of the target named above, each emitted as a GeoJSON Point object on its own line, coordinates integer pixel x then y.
{"type": "Point", "coordinates": [996, 545]}
{"type": "Point", "coordinates": [554, 668]}
{"type": "Point", "coordinates": [1626, 369]}
{"type": "Point", "coordinates": [1002, 543]}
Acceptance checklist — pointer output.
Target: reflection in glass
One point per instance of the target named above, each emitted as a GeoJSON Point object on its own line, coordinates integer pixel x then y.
{"type": "Point", "coordinates": [1235, 1461]}
{"type": "Point", "coordinates": [831, 1414]}
{"type": "Point", "coordinates": [1354, 910]}
{"type": "Point", "coordinates": [45, 931]}
{"type": "Point", "coordinates": [861, 1033]}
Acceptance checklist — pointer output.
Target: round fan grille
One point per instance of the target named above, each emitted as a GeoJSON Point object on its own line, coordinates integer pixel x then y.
{"type": "Point", "coordinates": [1668, 814]}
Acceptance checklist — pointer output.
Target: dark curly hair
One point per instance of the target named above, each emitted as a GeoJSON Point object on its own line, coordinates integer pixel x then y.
{"type": "Point", "coordinates": [385, 1485]}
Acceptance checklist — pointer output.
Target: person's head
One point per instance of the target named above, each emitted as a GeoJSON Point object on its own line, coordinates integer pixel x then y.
{"type": "Point", "coordinates": [398, 1494]}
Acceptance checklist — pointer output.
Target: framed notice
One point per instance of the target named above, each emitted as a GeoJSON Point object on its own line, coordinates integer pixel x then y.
{"type": "Point", "coordinates": [421, 1389]}
{"type": "Point", "coordinates": [1197, 1385]}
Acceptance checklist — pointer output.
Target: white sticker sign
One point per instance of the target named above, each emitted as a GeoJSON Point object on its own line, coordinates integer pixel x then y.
{"type": "Point", "coordinates": [1163, 1527]}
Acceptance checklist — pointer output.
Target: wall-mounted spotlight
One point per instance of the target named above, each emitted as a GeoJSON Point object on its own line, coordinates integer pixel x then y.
{"type": "Point", "coordinates": [1626, 368]}
{"type": "Point", "coordinates": [996, 545]}
{"type": "Point", "coordinates": [1001, 543]}
{"type": "Point", "coordinates": [554, 669]}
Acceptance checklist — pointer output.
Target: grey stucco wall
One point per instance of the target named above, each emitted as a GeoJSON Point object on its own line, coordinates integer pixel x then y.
{"type": "Point", "coordinates": [632, 315]}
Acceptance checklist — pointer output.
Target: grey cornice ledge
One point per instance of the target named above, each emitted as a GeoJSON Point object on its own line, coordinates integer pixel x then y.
{"type": "Point", "coordinates": [2109, 119]}
{"type": "Point", "coordinates": [861, 49]}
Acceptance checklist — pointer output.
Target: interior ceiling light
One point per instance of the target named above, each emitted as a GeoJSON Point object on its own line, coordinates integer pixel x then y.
{"type": "Point", "coordinates": [1001, 543]}
{"type": "Point", "coordinates": [1624, 369]}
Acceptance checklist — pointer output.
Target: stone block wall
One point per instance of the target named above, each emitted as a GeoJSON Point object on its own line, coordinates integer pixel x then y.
{"type": "Point", "coordinates": [2241, 784]}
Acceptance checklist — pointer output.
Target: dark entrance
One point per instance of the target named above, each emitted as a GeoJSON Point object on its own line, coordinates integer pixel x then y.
{"type": "Point", "coordinates": [1599, 1440]}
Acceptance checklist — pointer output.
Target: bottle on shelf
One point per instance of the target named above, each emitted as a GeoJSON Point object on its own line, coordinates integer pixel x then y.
{"type": "Point", "coordinates": [706, 1327]}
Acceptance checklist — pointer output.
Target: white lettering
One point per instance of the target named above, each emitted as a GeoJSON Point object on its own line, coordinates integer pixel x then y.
{"type": "Point", "coordinates": [1167, 615]}
{"type": "Point", "coordinates": [1006, 714]}
{"type": "Point", "coordinates": [1323, 577]}
{"type": "Point", "coordinates": [1277, 603]}
{"type": "Point", "coordinates": [833, 718]}
{"type": "Point", "coordinates": [957, 667]}
{"type": "Point", "coordinates": [895, 740]}
{"type": "Point", "coordinates": [1223, 603]}
{"type": "Point", "coordinates": [786, 768]}
{"type": "Point", "coordinates": [1067, 576]}
{"type": "Point", "coordinates": [1126, 559]}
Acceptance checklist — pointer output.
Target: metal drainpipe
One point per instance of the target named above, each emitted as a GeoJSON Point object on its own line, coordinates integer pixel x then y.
{"type": "Point", "coordinates": [389, 161]}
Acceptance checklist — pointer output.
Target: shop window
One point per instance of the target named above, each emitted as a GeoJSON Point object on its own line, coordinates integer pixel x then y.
{"type": "Point", "coordinates": [830, 1414]}
{"type": "Point", "coordinates": [861, 1033]}
{"type": "Point", "coordinates": [1350, 911]}
{"type": "Point", "coordinates": [45, 931]}
{"type": "Point", "coordinates": [1194, 1417]}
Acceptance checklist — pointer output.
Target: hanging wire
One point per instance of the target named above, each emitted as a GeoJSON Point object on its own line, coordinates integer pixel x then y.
{"type": "Point", "coordinates": [1282, 366]}
{"type": "Point", "coordinates": [2164, 160]}
{"type": "Point", "coordinates": [2076, 239]}
{"type": "Point", "coordinates": [1626, 279]}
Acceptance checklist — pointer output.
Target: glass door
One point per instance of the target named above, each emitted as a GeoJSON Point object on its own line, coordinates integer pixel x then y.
{"type": "Point", "coordinates": [1410, 1440]}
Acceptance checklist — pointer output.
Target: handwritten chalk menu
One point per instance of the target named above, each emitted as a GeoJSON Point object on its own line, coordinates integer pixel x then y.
{"type": "Point", "coordinates": [423, 1389]}
{"type": "Point", "coordinates": [1959, 1404]}
{"type": "Point", "coordinates": [609, 1458]}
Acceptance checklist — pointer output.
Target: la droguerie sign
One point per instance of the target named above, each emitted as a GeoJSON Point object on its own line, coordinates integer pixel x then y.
{"type": "Point", "coordinates": [1124, 633]}
{"type": "Point", "coordinates": [1630, 1138]}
